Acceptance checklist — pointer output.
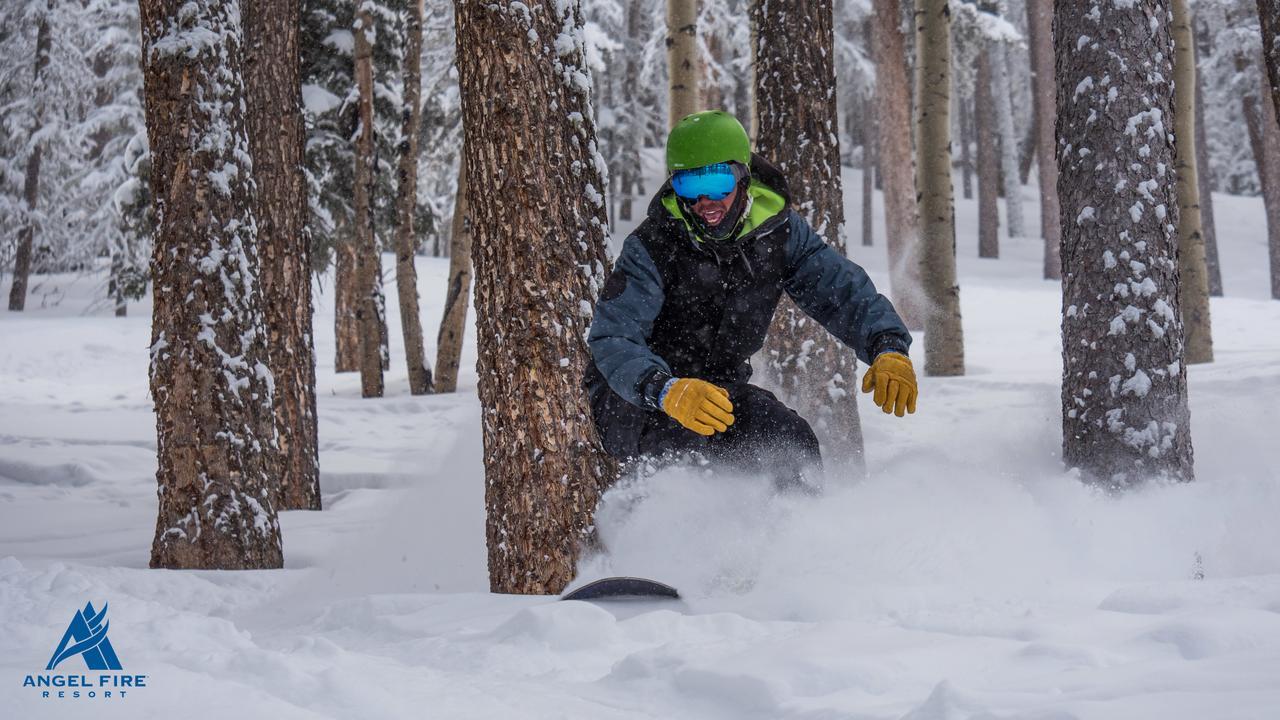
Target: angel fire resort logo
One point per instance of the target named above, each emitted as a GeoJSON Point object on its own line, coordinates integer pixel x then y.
{"type": "Point", "coordinates": [86, 636]}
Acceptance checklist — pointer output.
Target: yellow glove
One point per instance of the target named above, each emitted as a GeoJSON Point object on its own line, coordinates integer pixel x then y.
{"type": "Point", "coordinates": [894, 381]}
{"type": "Point", "coordinates": [699, 406]}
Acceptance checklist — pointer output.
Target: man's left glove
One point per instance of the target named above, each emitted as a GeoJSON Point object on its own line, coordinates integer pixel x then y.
{"type": "Point", "coordinates": [894, 382]}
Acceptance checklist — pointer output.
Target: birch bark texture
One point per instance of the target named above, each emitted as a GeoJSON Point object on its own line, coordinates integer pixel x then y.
{"type": "Point", "coordinates": [453, 323]}
{"type": "Point", "coordinates": [1194, 281]}
{"type": "Point", "coordinates": [210, 377]}
{"type": "Point", "coordinates": [944, 334]}
{"type": "Point", "coordinates": [1124, 386]}
{"type": "Point", "coordinates": [31, 179]}
{"type": "Point", "coordinates": [1044, 90]}
{"type": "Point", "coordinates": [682, 59]}
{"type": "Point", "coordinates": [368, 265]}
{"type": "Point", "coordinates": [276, 138]}
{"type": "Point", "coordinates": [896, 164]}
{"type": "Point", "coordinates": [534, 175]}
{"type": "Point", "coordinates": [407, 202]}
{"type": "Point", "coordinates": [798, 129]}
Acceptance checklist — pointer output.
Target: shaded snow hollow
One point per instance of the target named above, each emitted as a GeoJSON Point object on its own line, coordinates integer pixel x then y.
{"type": "Point", "coordinates": [966, 577]}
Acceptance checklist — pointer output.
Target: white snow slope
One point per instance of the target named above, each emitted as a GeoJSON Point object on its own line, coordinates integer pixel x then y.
{"type": "Point", "coordinates": [967, 577]}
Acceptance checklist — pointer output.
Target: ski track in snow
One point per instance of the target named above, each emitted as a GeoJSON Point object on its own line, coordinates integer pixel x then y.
{"type": "Point", "coordinates": [967, 576]}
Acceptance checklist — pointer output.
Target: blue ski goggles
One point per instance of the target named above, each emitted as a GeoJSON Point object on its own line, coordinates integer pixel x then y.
{"type": "Point", "coordinates": [714, 182]}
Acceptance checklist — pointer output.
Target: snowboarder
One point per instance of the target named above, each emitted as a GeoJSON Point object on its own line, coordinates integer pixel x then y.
{"type": "Point", "coordinates": [691, 297]}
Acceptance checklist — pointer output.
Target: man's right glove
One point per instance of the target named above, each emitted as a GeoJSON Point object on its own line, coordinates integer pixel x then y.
{"type": "Point", "coordinates": [894, 381]}
{"type": "Point", "coordinates": [698, 405]}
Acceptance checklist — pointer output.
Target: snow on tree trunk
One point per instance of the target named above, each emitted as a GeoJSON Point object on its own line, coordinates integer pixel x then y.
{"type": "Point", "coordinates": [1204, 174]}
{"type": "Point", "coordinates": [1009, 171]}
{"type": "Point", "coordinates": [1043, 87]}
{"type": "Point", "coordinates": [1269, 13]}
{"type": "Point", "coordinates": [534, 175]}
{"type": "Point", "coordinates": [1194, 282]}
{"type": "Point", "coordinates": [797, 130]}
{"type": "Point", "coordinates": [368, 264]}
{"type": "Point", "coordinates": [893, 132]}
{"type": "Point", "coordinates": [31, 181]}
{"type": "Point", "coordinates": [407, 203]}
{"type": "Point", "coordinates": [1124, 387]}
{"type": "Point", "coordinates": [682, 59]}
{"type": "Point", "coordinates": [209, 374]}
{"type": "Point", "coordinates": [453, 325]}
{"type": "Point", "coordinates": [276, 138]}
{"type": "Point", "coordinates": [988, 158]}
{"type": "Point", "coordinates": [944, 335]}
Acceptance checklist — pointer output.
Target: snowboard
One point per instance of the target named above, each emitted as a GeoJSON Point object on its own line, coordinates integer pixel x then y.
{"type": "Point", "coordinates": [623, 588]}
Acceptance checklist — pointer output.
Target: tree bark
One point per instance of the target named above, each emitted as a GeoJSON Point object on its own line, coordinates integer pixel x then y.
{"type": "Point", "coordinates": [31, 181]}
{"type": "Point", "coordinates": [869, 132]}
{"type": "Point", "coordinates": [966, 150]}
{"type": "Point", "coordinates": [893, 124]}
{"type": "Point", "coordinates": [276, 138]}
{"type": "Point", "coordinates": [210, 377]}
{"type": "Point", "coordinates": [1269, 167]}
{"type": "Point", "coordinates": [682, 59]}
{"type": "Point", "coordinates": [1043, 88]}
{"type": "Point", "coordinates": [1194, 282]}
{"type": "Point", "coordinates": [1009, 172]}
{"type": "Point", "coordinates": [944, 334]}
{"type": "Point", "coordinates": [797, 131]}
{"type": "Point", "coordinates": [1204, 175]}
{"type": "Point", "coordinates": [453, 325]}
{"type": "Point", "coordinates": [1269, 16]}
{"type": "Point", "coordinates": [988, 160]}
{"type": "Point", "coordinates": [533, 179]}
{"type": "Point", "coordinates": [368, 264]}
{"type": "Point", "coordinates": [1124, 387]}
{"type": "Point", "coordinates": [407, 203]}
{"type": "Point", "coordinates": [346, 298]}
{"type": "Point", "coordinates": [631, 179]}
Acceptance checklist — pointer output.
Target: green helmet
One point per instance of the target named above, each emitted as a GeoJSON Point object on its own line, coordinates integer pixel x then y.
{"type": "Point", "coordinates": [706, 138]}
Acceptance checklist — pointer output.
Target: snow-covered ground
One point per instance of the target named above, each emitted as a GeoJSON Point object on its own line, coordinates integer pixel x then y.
{"type": "Point", "coordinates": [966, 577]}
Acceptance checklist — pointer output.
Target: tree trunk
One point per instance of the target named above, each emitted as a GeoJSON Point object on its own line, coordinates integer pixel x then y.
{"type": "Point", "coordinates": [944, 335]}
{"type": "Point", "coordinates": [31, 182]}
{"type": "Point", "coordinates": [631, 180]}
{"type": "Point", "coordinates": [1269, 15]}
{"type": "Point", "coordinates": [276, 138]}
{"type": "Point", "coordinates": [368, 265]}
{"type": "Point", "coordinates": [869, 143]}
{"type": "Point", "coordinates": [1204, 175]}
{"type": "Point", "coordinates": [453, 325]}
{"type": "Point", "coordinates": [988, 159]}
{"type": "Point", "coordinates": [210, 377]}
{"type": "Point", "coordinates": [1269, 166]}
{"type": "Point", "coordinates": [682, 58]}
{"type": "Point", "coordinates": [1009, 173]}
{"type": "Point", "coordinates": [346, 298]}
{"type": "Point", "coordinates": [1043, 88]}
{"type": "Point", "coordinates": [406, 203]}
{"type": "Point", "coordinates": [966, 150]}
{"type": "Point", "coordinates": [893, 133]}
{"type": "Point", "coordinates": [797, 131]}
{"type": "Point", "coordinates": [1124, 387]}
{"type": "Point", "coordinates": [1194, 282]}
{"type": "Point", "coordinates": [533, 179]}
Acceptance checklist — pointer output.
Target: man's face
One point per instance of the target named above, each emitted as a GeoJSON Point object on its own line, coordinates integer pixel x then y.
{"type": "Point", "coordinates": [713, 211]}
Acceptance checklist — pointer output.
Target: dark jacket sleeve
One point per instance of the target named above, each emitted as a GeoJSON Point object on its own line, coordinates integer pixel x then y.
{"type": "Point", "coordinates": [622, 323]}
{"type": "Point", "coordinates": [836, 292]}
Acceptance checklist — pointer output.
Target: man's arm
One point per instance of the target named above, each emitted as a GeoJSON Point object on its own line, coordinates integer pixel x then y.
{"type": "Point", "coordinates": [836, 292]}
{"type": "Point", "coordinates": [621, 326]}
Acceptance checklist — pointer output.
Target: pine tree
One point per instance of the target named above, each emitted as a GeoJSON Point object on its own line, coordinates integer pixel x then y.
{"type": "Point", "coordinates": [366, 283]}
{"type": "Point", "coordinates": [534, 177]}
{"type": "Point", "coordinates": [209, 368]}
{"type": "Point", "coordinates": [797, 125]}
{"type": "Point", "coordinates": [453, 323]}
{"type": "Point", "coordinates": [31, 181]}
{"type": "Point", "coordinates": [1124, 388]}
{"type": "Point", "coordinates": [1040, 34]}
{"type": "Point", "coordinates": [1269, 15]}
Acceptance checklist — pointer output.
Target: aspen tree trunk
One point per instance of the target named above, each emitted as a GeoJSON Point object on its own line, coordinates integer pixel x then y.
{"type": "Point", "coordinates": [1009, 173]}
{"type": "Point", "coordinates": [367, 263]}
{"type": "Point", "coordinates": [682, 59]}
{"type": "Point", "coordinates": [944, 335]}
{"type": "Point", "coordinates": [1269, 15]}
{"type": "Point", "coordinates": [276, 139]}
{"type": "Point", "coordinates": [1204, 175]}
{"type": "Point", "coordinates": [966, 153]}
{"type": "Point", "coordinates": [346, 298]}
{"type": "Point", "coordinates": [1043, 89]}
{"type": "Point", "coordinates": [797, 131]}
{"type": "Point", "coordinates": [406, 203]}
{"type": "Point", "coordinates": [897, 168]}
{"type": "Point", "coordinates": [453, 325]}
{"type": "Point", "coordinates": [533, 179]}
{"type": "Point", "coordinates": [1194, 282]}
{"type": "Point", "coordinates": [31, 182]}
{"type": "Point", "coordinates": [1124, 387]}
{"type": "Point", "coordinates": [988, 160]}
{"type": "Point", "coordinates": [210, 377]}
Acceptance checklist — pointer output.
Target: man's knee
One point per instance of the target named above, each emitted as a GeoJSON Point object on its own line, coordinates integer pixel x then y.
{"type": "Point", "coordinates": [770, 422]}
